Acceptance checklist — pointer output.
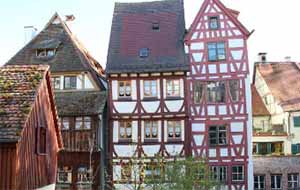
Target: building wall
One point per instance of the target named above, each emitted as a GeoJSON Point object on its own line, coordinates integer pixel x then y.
{"type": "Point", "coordinates": [139, 109]}
{"type": "Point", "coordinates": [282, 165]}
{"type": "Point", "coordinates": [235, 115]}
{"type": "Point", "coordinates": [262, 123]}
{"type": "Point", "coordinates": [8, 165]}
{"type": "Point", "coordinates": [37, 170]}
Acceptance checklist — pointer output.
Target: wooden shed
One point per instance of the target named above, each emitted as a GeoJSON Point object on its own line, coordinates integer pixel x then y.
{"type": "Point", "coordinates": [29, 132]}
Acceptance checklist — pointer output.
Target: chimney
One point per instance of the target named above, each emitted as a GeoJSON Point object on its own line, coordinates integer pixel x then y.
{"type": "Point", "coordinates": [29, 33]}
{"type": "Point", "coordinates": [70, 18]}
{"type": "Point", "coordinates": [287, 58]}
{"type": "Point", "coordinates": [262, 57]}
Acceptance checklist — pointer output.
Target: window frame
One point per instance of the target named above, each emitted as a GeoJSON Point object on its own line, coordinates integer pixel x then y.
{"type": "Point", "coordinates": [293, 181]}
{"type": "Point", "coordinates": [151, 130]}
{"type": "Point", "coordinates": [217, 21]}
{"type": "Point", "coordinates": [83, 123]}
{"type": "Point", "coordinates": [125, 126]}
{"type": "Point", "coordinates": [199, 95]}
{"type": "Point", "coordinates": [71, 87]}
{"type": "Point", "coordinates": [42, 135]}
{"type": "Point", "coordinates": [151, 95]}
{"type": "Point", "coordinates": [212, 95]}
{"type": "Point", "coordinates": [216, 51]}
{"type": "Point", "coordinates": [237, 91]}
{"type": "Point", "coordinates": [275, 177]}
{"type": "Point", "coordinates": [174, 93]}
{"type": "Point", "coordinates": [238, 173]}
{"type": "Point", "coordinates": [53, 82]}
{"type": "Point", "coordinates": [217, 135]}
{"type": "Point", "coordinates": [173, 126]}
{"type": "Point", "coordinates": [259, 182]}
{"type": "Point", "coordinates": [221, 173]}
{"type": "Point", "coordinates": [62, 121]}
{"type": "Point", "coordinates": [66, 171]}
{"type": "Point", "coordinates": [126, 83]}
{"type": "Point", "coordinates": [45, 53]}
{"type": "Point", "coordinates": [144, 52]}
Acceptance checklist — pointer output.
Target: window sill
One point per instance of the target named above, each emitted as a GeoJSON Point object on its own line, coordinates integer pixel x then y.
{"type": "Point", "coordinates": [125, 141]}
{"type": "Point", "coordinates": [150, 140]}
{"type": "Point", "coordinates": [173, 97]}
{"type": "Point", "coordinates": [175, 140]}
{"type": "Point", "coordinates": [150, 99]}
{"type": "Point", "coordinates": [124, 99]}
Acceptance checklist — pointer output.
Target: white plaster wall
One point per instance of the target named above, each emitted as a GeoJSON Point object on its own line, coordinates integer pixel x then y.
{"type": "Point", "coordinates": [198, 127]}
{"type": "Point", "coordinates": [174, 105]}
{"type": "Point", "coordinates": [125, 107]}
{"type": "Point", "coordinates": [133, 90]}
{"type": "Point", "coordinates": [115, 131]}
{"type": "Point", "coordinates": [88, 83]}
{"type": "Point", "coordinates": [151, 150]}
{"type": "Point", "coordinates": [134, 131]}
{"type": "Point", "coordinates": [174, 150]}
{"type": "Point", "coordinates": [181, 88]}
{"type": "Point", "coordinates": [237, 126]}
{"type": "Point", "coordinates": [125, 150]}
{"type": "Point", "coordinates": [150, 106]}
{"type": "Point", "coordinates": [79, 80]}
{"type": "Point", "coordinates": [117, 172]}
{"type": "Point", "coordinates": [236, 43]}
{"type": "Point", "coordinates": [257, 122]}
{"type": "Point", "coordinates": [114, 89]}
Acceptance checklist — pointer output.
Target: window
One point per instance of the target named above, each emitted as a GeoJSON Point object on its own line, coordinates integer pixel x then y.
{"type": "Point", "coordinates": [152, 170]}
{"type": "Point", "coordinates": [295, 148]}
{"type": "Point", "coordinates": [234, 90]}
{"type": "Point", "coordinates": [125, 130]}
{"type": "Point", "coordinates": [198, 92]}
{"type": "Point", "coordinates": [150, 88]}
{"type": "Point", "coordinates": [174, 129]}
{"type": "Point", "coordinates": [237, 173]}
{"type": "Point", "coordinates": [83, 123]}
{"type": "Point", "coordinates": [84, 175]}
{"type": "Point", "coordinates": [216, 92]}
{"type": "Point", "coordinates": [276, 182]}
{"type": "Point", "coordinates": [217, 135]}
{"type": "Point", "coordinates": [293, 181]}
{"type": "Point", "coordinates": [65, 123]}
{"type": "Point", "coordinates": [55, 81]}
{"type": "Point", "coordinates": [42, 140]}
{"type": "Point", "coordinates": [218, 173]}
{"type": "Point", "coordinates": [296, 121]}
{"type": "Point", "coordinates": [126, 171]}
{"type": "Point", "coordinates": [259, 182]}
{"type": "Point", "coordinates": [216, 51]}
{"type": "Point", "coordinates": [213, 22]}
{"type": "Point", "coordinates": [155, 26]}
{"type": "Point", "coordinates": [124, 89]}
{"type": "Point", "coordinates": [45, 53]}
{"type": "Point", "coordinates": [64, 175]}
{"type": "Point", "coordinates": [268, 148]}
{"type": "Point", "coordinates": [144, 52]}
{"type": "Point", "coordinates": [151, 129]}
{"type": "Point", "coordinates": [70, 82]}
{"type": "Point", "coordinates": [173, 88]}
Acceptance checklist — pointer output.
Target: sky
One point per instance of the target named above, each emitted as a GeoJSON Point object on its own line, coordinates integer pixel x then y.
{"type": "Point", "coordinates": [277, 30]}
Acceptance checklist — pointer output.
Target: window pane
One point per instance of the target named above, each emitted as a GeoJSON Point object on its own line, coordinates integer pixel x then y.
{"type": "Point", "coordinates": [198, 91]}
{"type": "Point", "coordinates": [296, 121]}
{"type": "Point", "coordinates": [234, 90]}
{"type": "Point", "coordinates": [65, 123]}
{"type": "Point", "coordinates": [213, 22]}
{"type": "Point", "coordinates": [70, 82]}
{"type": "Point", "coordinates": [78, 123]}
{"type": "Point", "coordinates": [87, 122]}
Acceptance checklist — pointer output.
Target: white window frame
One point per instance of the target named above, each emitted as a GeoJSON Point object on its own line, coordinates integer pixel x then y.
{"type": "Point", "coordinates": [261, 179]}
{"type": "Point", "coordinates": [276, 177]}
{"type": "Point", "coordinates": [238, 173]}
{"type": "Point", "coordinates": [294, 182]}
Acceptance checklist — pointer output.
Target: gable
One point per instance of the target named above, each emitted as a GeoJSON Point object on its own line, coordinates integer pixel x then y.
{"type": "Point", "coordinates": [229, 26]}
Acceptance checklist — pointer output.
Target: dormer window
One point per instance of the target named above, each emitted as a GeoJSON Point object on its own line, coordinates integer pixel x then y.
{"type": "Point", "coordinates": [45, 53]}
{"type": "Point", "coordinates": [155, 26]}
{"type": "Point", "coordinates": [144, 52]}
{"type": "Point", "coordinates": [213, 22]}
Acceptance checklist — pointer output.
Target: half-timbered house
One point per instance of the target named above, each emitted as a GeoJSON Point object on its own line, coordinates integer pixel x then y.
{"type": "Point", "coordinates": [80, 93]}
{"type": "Point", "coordinates": [146, 70]}
{"type": "Point", "coordinates": [29, 130]}
{"type": "Point", "coordinates": [219, 95]}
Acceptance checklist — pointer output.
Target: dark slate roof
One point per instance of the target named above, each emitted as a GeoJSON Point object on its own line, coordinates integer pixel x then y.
{"type": "Point", "coordinates": [283, 80]}
{"type": "Point", "coordinates": [258, 106]}
{"type": "Point", "coordinates": [80, 103]}
{"type": "Point", "coordinates": [132, 30]}
{"type": "Point", "coordinates": [18, 88]}
{"type": "Point", "coordinates": [70, 55]}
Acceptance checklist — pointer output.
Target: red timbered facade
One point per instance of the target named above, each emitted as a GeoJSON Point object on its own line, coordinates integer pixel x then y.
{"type": "Point", "coordinates": [147, 76]}
{"type": "Point", "coordinates": [219, 94]}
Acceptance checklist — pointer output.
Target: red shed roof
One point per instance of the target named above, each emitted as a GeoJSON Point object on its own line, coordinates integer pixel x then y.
{"type": "Point", "coordinates": [18, 90]}
{"type": "Point", "coordinates": [258, 106]}
{"type": "Point", "coordinates": [283, 80]}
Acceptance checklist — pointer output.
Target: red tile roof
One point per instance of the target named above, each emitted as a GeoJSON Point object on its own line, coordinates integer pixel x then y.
{"type": "Point", "coordinates": [258, 106]}
{"type": "Point", "coordinates": [283, 80]}
{"type": "Point", "coordinates": [18, 87]}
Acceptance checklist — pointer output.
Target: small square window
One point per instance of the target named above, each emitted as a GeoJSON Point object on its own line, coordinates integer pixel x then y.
{"type": "Point", "coordinates": [155, 26]}
{"type": "Point", "coordinates": [144, 52]}
{"type": "Point", "coordinates": [55, 81]}
{"type": "Point", "coordinates": [213, 22]}
{"type": "Point", "coordinates": [237, 173]}
{"type": "Point", "coordinates": [124, 89]}
{"type": "Point", "coordinates": [151, 129]}
{"type": "Point", "coordinates": [174, 130]}
{"type": "Point", "coordinates": [218, 173]}
{"type": "Point", "coordinates": [216, 51]}
{"type": "Point", "coordinates": [293, 181]}
{"type": "Point", "coordinates": [70, 82]}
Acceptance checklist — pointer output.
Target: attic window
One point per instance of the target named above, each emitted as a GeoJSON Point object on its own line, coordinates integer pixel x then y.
{"type": "Point", "coordinates": [45, 53]}
{"type": "Point", "coordinates": [213, 22]}
{"type": "Point", "coordinates": [144, 52]}
{"type": "Point", "coordinates": [155, 26]}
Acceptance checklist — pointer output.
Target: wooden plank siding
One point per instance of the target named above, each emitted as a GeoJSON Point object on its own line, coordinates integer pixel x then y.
{"type": "Point", "coordinates": [7, 166]}
{"type": "Point", "coordinates": [37, 170]}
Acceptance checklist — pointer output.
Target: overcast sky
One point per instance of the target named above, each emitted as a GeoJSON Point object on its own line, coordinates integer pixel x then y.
{"type": "Point", "coordinates": [276, 25]}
